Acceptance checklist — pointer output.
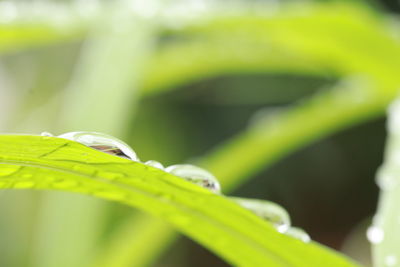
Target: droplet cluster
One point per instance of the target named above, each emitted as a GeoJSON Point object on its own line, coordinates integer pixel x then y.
{"type": "Point", "coordinates": [269, 211]}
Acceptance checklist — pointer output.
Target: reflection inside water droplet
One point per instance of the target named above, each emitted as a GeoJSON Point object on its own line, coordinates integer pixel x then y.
{"type": "Point", "coordinates": [375, 234]}
{"type": "Point", "coordinates": [298, 233]}
{"type": "Point", "coordinates": [195, 175]}
{"type": "Point", "coordinates": [102, 142]}
{"type": "Point", "coordinates": [155, 164]}
{"type": "Point", "coordinates": [267, 210]}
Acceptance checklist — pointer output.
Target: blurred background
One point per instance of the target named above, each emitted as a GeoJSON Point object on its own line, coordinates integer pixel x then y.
{"type": "Point", "coordinates": [176, 80]}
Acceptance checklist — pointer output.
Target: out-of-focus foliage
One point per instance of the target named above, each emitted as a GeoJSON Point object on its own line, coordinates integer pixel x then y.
{"type": "Point", "coordinates": [162, 75]}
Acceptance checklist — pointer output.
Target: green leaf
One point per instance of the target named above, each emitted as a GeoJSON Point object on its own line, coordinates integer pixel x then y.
{"type": "Point", "coordinates": [234, 233]}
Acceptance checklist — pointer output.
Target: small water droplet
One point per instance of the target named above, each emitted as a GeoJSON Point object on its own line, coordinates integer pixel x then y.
{"type": "Point", "coordinates": [46, 134]}
{"type": "Point", "coordinates": [102, 142]}
{"type": "Point", "coordinates": [195, 175]}
{"type": "Point", "coordinates": [298, 233]}
{"type": "Point", "coordinates": [267, 210]}
{"type": "Point", "coordinates": [391, 260]}
{"type": "Point", "coordinates": [375, 234]}
{"type": "Point", "coordinates": [155, 164]}
{"type": "Point", "coordinates": [7, 170]}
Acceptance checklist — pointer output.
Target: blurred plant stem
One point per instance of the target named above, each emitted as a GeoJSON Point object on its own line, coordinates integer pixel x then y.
{"type": "Point", "coordinates": [100, 98]}
{"type": "Point", "coordinates": [134, 243]}
{"type": "Point", "coordinates": [384, 233]}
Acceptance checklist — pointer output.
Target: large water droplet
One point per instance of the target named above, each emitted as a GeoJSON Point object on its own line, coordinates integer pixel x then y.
{"type": "Point", "coordinates": [102, 142]}
{"type": "Point", "coordinates": [298, 233]}
{"type": "Point", "coordinates": [195, 175]}
{"type": "Point", "coordinates": [375, 234]}
{"type": "Point", "coordinates": [267, 210]}
{"type": "Point", "coordinates": [391, 260]}
{"type": "Point", "coordinates": [155, 164]}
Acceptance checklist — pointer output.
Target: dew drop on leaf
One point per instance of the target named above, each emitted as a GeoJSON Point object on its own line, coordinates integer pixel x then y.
{"type": "Point", "coordinates": [102, 142]}
{"type": "Point", "coordinates": [46, 134]}
{"type": "Point", "coordinates": [298, 233]}
{"type": "Point", "coordinates": [375, 234]}
{"type": "Point", "coordinates": [195, 175]}
{"type": "Point", "coordinates": [155, 164]}
{"type": "Point", "coordinates": [268, 211]}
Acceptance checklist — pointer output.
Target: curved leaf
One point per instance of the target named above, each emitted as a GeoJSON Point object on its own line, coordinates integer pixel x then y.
{"type": "Point", "coordinates": [234, 233]}
{"type": "Point", "coordinates": [338, 39]}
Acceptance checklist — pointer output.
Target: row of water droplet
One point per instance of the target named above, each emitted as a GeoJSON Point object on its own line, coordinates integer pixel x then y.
{"type": "Point", "coordinates": [266, 210]}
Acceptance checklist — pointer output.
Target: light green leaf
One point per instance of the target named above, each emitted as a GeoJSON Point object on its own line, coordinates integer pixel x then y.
{"type": "Point", "coordinates": [232, 232]}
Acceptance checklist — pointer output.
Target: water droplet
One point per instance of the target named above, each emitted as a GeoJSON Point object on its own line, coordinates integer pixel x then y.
{"type": "Point", "coordinates": [102, 142]}
{"type": "Point", "coordinates": [298, 233]}
{"type": "Point", "coordinates": [391, 260]}
{"type": "Point", "coordinates": [46, 134]}
{"type": "Point", "coordinates": [195, 175]}
{"type": "Point", "coordinates": [375, 234]}
{"type": "Point", "coordinates": [267, 210]}
{"type": "Point", "coordinates": [7, 170]}
{"type": "Point", "coordinates": [155, 164]}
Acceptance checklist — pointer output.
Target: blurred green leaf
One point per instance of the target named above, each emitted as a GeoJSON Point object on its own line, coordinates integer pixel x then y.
{"type": "Point", "coordinates": [339, 39]}
{"type": "Point", "coordinates": [27, 25]}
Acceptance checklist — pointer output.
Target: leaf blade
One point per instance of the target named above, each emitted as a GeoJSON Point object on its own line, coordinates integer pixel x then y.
{"type": "Point", "coordinates": [234, 233]}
